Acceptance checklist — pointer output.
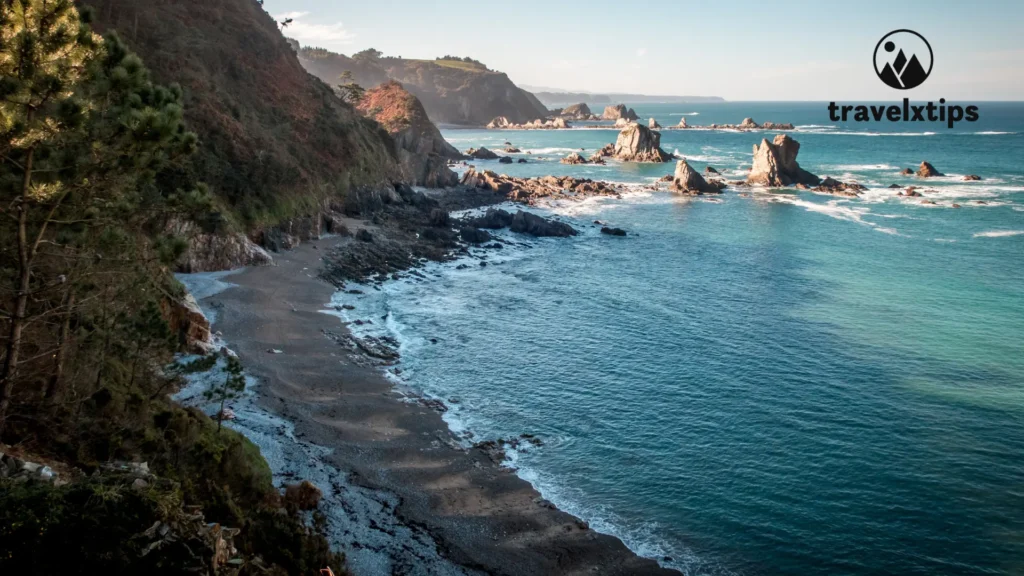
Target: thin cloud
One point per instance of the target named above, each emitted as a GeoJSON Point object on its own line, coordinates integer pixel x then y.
{"type": "Point", "coordinates": [312, 34]}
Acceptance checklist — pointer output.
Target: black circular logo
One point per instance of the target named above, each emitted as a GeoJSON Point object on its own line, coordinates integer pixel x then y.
{"type": "Point", "coordinates": [903, 59]}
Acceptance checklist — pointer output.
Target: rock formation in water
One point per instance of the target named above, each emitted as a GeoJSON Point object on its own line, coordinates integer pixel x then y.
{"type": "Point", "coordinates": [831, 186]}
{"type": "Point", "coordinates": [682, 123]}
{"type": "Point", "coordinates": [529, 190]}
{"type": "Point", "coordinates": [502, 123]}
{"type": "Point", "coordinates": [638, 143]}
{"type": "Point", "coordinates": [775, 164]}
{"type": "Point", "coordinates": [653, 124]}
{"type": "Point", "coordinates": [574, 158]}
{"type": "Point", "coordinates": [481, 153]}
{"type": "Point", "coordinates": [689, 181]}
{"type": "Point", "coordinates": [422, 152]}
{"type": "Point", "coordinates": [578, 112]}
{"type": "Point", "coordinates": [619, 111]}
{"type": "Point", "coordinates": [926, 170]}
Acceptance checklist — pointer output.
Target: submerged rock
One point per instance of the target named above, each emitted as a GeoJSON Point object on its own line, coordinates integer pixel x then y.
{"type": "Point", "coordinates": [613, 231]}
{"type": "Point", "coordinates": [971, 177]}
{"type": "Point", "coordinates": [574, 158]}
{"type": "Point", "coordinates": [775, 164]}
{"type": "Point", "coordinates": [638, 143]}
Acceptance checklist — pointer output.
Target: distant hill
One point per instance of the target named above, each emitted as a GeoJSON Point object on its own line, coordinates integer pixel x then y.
{"type": "Point", "coordinates": [558, 98]}
{"type": "Point", "coordinates": [453, 91]}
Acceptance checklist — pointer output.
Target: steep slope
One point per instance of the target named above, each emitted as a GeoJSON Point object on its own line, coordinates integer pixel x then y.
{"type": "Point", "coordinates": [275, 141]}
{"type": "Point", "coordinates": [422, 151]}
{"type": "Point", "coordinates": [452, 91]}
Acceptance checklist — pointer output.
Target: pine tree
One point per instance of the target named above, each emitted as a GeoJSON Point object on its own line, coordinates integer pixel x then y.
{"type": "Point", "coordinates": [230, 389]}
{"type": "Point", "coordinates": [83, 132]}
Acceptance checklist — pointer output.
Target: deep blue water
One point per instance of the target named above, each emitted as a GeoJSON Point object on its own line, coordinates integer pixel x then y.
{"type": "Point", "coordinates": [787, 383]}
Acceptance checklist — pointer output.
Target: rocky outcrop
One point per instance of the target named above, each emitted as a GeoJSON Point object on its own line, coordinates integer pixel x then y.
{"type": "Point", "coordinates": [926, 170]}
{"type": "Point", "coordinates": [481, 153]}
{"type": "Point", "coordinates": [832, 186]}
{"type": "Point", "coordinates": [623, 122]}
{"type": "Point", "coordinates": [682, 123]}
{"type": "Point", "coordinates": [618, 111]}
{"type": "Point", "coordinates": [578, 112]}
{"type": "Point", "coordinates": [523, 223]}
{"type": "Point", "coordinates": [451, 92]}
{"type": "Point", "coordinates": [187, 321]}
{"type": "Point", "coordinates": [211, 252]}
{"type": "Point", "coordinates": [689, 181]}
{"type": "Point", "coordinates": [638, 143]}
{"type": "Point", "coordinates": [574, 158]}
{"type": "Point", "coordinates": [422, 152]}
{"type": "Point", "coordinates": [746, 125]}
{"type": "Point", "coordinates": [775, 126]}
{"type": "Point", "coordinates": [502, 123]}
{"type": "Point", "coordinates": [972, 178]}
{"type": "Point", "coordinates": [531, 190]}
{"type": "Point", "coordinates": [775, 164]}
{"type": "Point", "coordinates": [653, 124]}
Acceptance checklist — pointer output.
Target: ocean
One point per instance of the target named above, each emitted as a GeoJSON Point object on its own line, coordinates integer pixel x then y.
{"type": "Point", "coordinates": [788, 383]}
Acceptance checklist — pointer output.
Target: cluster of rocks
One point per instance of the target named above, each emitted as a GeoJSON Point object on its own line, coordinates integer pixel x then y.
{"type": "Point", "coordinates": [619, 111]}
{"type": "Point", "coordinates": [746, 125]}
{"type": "Point", "coordinates": [832, 186]}
{"type": "Point", "coordinates": [481, 153]}
{"type": "Point", "coordinates": [523, 223]}
{"type": "Point", "coordinates": [497, 450]}
{"type": "Point", "coordinates": [503, 123]}
{"type": "Point", "coordinates": [18, 470]}
{"type": "Point", "coordinates": [530, 190]}
{"type": "Point", "coordinates": [925, 170]}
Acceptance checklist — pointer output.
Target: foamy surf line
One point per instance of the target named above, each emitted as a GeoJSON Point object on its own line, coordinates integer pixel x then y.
{"type": "Point", "coordinates": [999, 233]}
{"type": "Point", "coordinates": [381, 304]}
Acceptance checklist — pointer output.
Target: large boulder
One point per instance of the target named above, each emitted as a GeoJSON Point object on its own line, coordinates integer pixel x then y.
{"type": "Point", "coordinates": [498, 123]}
{"type": "Point", "coordinates": [775, 164]}
{"type": "Point", "coordinates": [689, 181]}
{"type": "Point", "coordinates": [638, 143]}
{"type": "Point", "coordinates": [527, 223]}
{"type": "Point", "coordinates": [926, 170]}
{"type": "Point", "coordinates": [618, 111]}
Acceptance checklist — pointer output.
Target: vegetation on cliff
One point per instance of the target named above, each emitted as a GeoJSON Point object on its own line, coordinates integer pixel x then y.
{"type": "Point", "coordinates": [89, 144]}
{"type": "Point", "coordinates": [452, 90]}
{"type": "Point", "coordinates": [274, 142]}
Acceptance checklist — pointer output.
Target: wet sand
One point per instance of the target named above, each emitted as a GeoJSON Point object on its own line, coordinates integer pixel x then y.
{"type": "Point", "coordinates": [481, 518]}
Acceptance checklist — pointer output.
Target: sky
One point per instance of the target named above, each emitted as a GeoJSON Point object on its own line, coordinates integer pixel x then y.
{"type": "Point", "coordinates": [739, 50]}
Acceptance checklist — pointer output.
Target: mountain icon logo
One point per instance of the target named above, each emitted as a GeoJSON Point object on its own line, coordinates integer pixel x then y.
{"type": "Point", "coordinates": [903, 59]}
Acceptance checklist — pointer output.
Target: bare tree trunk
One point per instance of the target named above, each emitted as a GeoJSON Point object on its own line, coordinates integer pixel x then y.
{"type": "Point", "coordinates": [53, 388]}
{"type": "Point", "coordinates": [21, 304]}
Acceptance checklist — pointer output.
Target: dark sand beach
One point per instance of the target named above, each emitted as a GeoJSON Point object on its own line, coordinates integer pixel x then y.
{"type": "Point", "coordinates": [482, 518]}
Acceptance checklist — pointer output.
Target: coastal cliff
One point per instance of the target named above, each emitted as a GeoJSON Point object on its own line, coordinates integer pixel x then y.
{"type": "Point", "coordinates": [274, 142]}
{"type": "Point", "coordinates": [422, 151]}
{"type": "Point", "coordinates": [452, 91]}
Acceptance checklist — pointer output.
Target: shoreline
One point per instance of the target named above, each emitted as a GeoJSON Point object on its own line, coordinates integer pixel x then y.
{"type": "Point", "coordinates": [478, 515]}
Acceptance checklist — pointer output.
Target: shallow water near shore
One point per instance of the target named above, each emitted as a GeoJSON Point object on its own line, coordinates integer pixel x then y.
{"type": "Point", "coordinates": [777, 384]}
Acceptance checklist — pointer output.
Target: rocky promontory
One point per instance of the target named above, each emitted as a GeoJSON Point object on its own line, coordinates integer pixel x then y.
{"type": "Point", "coordinates": [422, 152]}
{"type": "Point", "coordinates": [775, 164]}
{"type": "Point", "coordinates": [578, 112]}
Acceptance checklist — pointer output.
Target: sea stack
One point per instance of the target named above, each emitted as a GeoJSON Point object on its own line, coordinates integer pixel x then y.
{"type": "Point", "coordinates": [618, 111]}
{"type": "Point", "coordinates": [689, 181]}
{"type": "Point", "coordinates": [775, 164]}
{"type": "Point", "coordinates": [653, 124]}
{"type": "Point", "coordinates": [926, 170]}
{"type": "Point", "coordinates": [638, 143]}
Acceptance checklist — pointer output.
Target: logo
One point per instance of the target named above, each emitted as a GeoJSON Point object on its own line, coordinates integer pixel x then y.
{"type": "Point", "coordinates": [903, 59]}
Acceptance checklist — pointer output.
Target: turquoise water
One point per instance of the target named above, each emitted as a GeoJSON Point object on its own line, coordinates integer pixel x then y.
{"type": "Point", "coordinates": [787, 383]}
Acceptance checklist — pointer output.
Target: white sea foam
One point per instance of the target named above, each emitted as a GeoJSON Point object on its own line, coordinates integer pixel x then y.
{"type": "Point", "coordinates": [855, 167]}
{"type": "Point", "coordinates": [992, 133]}
{"type": "Point", "coordinates": [999, 233]}
{"type": "Point", "coordinates": [685, 114]}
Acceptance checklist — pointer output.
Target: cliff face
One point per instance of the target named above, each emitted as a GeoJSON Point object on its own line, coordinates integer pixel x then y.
{"type": "Point", "coordinates": [452, 92]}
{"type": "Point", "coordinates": [275, 142]}
{"type": "Point", "coordinates": [422, 151]}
